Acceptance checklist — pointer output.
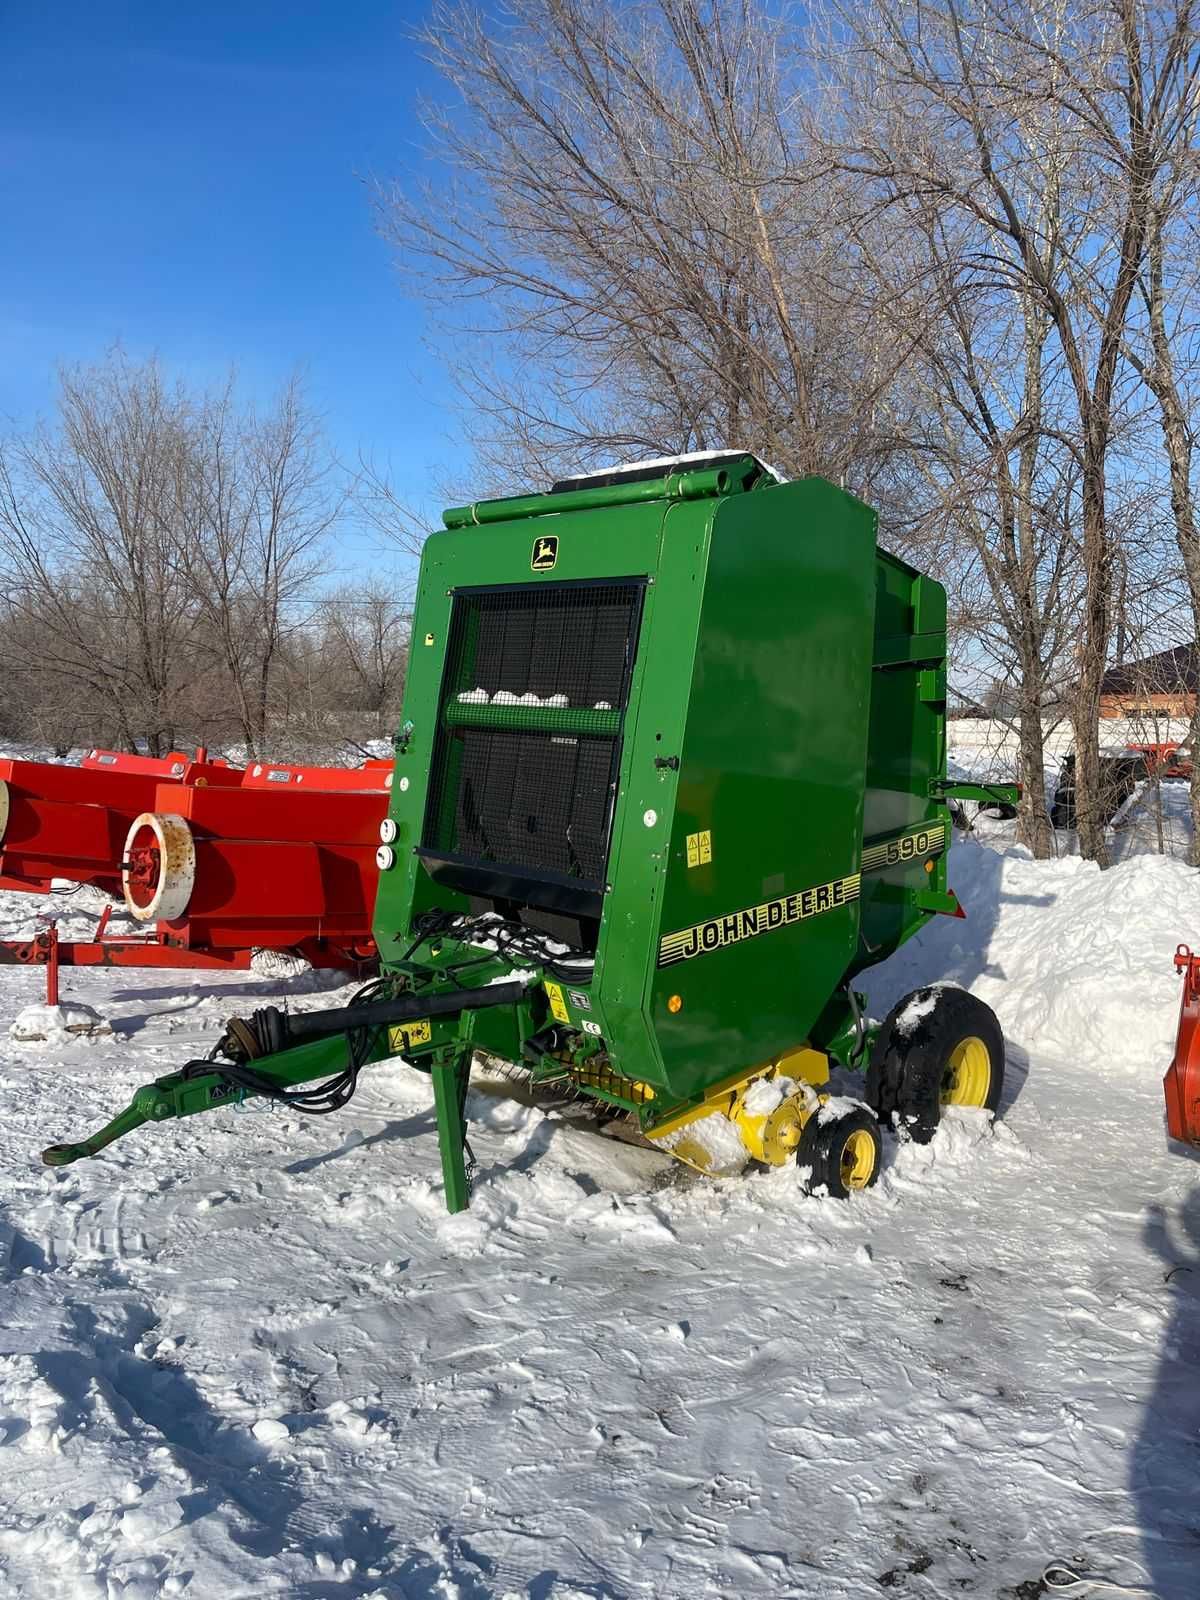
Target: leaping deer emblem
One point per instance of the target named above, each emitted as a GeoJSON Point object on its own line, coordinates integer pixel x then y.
{"type": "Point", "coordinates": [545, 553]}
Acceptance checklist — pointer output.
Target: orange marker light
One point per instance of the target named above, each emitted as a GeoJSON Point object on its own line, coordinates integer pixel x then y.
{"type": "Point", "coordinates": [929, 866]}
{"type": "Point", "coordinates": [675, 1003]}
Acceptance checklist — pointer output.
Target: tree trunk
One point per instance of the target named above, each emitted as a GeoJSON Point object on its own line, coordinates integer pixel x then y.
{"type": "Point", "coordinates": [1085, 719]}
{"type": "Point", "coordinates": [1033, 821]}
{"type": "Point", "coordinates": [1177, 445]}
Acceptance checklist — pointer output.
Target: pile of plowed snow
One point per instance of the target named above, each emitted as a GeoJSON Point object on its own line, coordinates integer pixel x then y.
{"type": "Point", "coordinates": [1075, 961]}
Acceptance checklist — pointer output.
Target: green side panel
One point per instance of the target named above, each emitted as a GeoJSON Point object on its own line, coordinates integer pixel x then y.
{"type": "Point", "coordinates": [644, 823]}
{"type": "Point", "coordinates": [774, 756]}
{"type": "Point", "coordinates": [907, 747]}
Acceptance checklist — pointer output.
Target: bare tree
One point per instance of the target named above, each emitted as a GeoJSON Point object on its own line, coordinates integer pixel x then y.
{"type": "Point", "coordinates": [156, 546]}
{"type": "Point", "coordinates": [365, 634]}
{"type": "Point", "coordinates": [1163, 357]}
{"type": "Point", "coordinates": [995, 485]}
{"type": "Point", "coordinates": [385, 510]}
{"type": "Point", "coordinates": [262, 501]}
{"type": "Point", "coordinates": [982, 113]}
{"type": "Point", "coordinates": [624, 225]}
{"type": "Point", "coordinates": [89, 526]}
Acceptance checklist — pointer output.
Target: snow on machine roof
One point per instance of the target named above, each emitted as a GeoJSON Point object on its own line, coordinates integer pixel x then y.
{"type": "Point", "coordinates": [657, 467]}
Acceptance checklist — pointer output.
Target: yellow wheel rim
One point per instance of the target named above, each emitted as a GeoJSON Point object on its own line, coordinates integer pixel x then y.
{"type": "Point", "coordinates": [858, 1159]}
{"type": "Point", "coordinates": [967, 1080]}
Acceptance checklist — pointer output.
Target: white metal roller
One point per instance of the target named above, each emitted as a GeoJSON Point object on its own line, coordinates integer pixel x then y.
{"type": "Point", "coordinates": [176, 866]}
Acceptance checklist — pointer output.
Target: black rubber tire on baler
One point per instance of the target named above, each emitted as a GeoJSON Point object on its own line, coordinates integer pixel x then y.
{"type": "Point", "coordinates": [907, 1079]}
{"type": "Point", "coordinates": [840, 1154]}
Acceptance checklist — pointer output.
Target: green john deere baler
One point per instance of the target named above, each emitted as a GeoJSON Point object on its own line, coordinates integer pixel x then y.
{"type": "Point", "coordinates": [671, 773]}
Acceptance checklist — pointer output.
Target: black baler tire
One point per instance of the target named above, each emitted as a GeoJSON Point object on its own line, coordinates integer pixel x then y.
{"type": "Point", "coordinates": [883, 1071]}
{"type": "Point", "coordinates": [912, 1065]}
{"type": "Point", "coordinates": [820, 1150]}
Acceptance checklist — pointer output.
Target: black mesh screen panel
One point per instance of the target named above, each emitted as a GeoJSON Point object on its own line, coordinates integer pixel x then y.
{"type": "Point", "coordinates": [525, 762]}
{"type": "Point", "coordinates": [546, 639]}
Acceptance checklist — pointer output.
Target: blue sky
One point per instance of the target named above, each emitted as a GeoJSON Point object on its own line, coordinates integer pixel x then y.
{"type": "Point", "coordinates": [188, 178]}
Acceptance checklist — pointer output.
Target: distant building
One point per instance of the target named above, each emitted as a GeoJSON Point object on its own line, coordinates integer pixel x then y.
{"type": "Point", "coordinates": [1164, 685]}
{"type": "Point", "coordinates": [966, 711]}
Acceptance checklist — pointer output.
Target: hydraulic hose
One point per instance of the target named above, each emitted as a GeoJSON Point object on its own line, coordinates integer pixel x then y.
{"type": "Point", "coordinates": [205, 1085]}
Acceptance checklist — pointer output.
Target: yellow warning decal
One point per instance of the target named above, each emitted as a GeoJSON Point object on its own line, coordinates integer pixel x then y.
{"type": "Point", "coordinates": [718, 932]}
{"type": "Point", "coordinates": [699, 848]}
{"type": "Point", "coordinates": [407, 1035]}
{"type": "Point", "coordinates": [930, 841]}
{"type": "Point", "coordinates": [558, 1006]}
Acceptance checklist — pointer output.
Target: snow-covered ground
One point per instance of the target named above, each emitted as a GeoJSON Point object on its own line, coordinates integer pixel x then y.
{"type": "Point", "coordinates": [248, 1355]}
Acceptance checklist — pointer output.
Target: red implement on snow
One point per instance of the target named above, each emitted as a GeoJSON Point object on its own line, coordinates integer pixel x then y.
{"type": "Point", "coordinates": [285, 861]}
{"type": "Point", "coordinates": [1182, 1082]}
{"type": "Point", "coordinates": [214, 861]}
{"type": "Point", "coordinates": [71, 822]}
{"type": "Point", "coordinates": [1164, 760]}
{"type": "Point", "coordinates": [105, 949]}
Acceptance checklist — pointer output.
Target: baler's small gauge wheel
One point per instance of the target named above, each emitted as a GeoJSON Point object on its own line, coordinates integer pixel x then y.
{"type": "Point", "coordinates": [938, 1047]}
{"type": "Point", "coordinates": [841, 1154]}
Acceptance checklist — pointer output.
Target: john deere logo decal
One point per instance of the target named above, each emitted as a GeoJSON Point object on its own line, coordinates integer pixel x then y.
{"type": "Point", "coordinates": [545, 552]}
{"type": "Point", "coordinates": [718, 932]}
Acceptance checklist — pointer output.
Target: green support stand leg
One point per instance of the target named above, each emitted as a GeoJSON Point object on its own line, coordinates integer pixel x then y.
{"type": "Point", "coordinates": [447, 1102]}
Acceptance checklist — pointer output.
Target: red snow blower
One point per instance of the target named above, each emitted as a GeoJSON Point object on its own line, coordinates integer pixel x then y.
{"type": "Point", "coordinates": [1181, 1085]}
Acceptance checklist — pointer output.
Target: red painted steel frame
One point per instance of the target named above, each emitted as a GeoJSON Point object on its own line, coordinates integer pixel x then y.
{"type": "Point", "coordinates": [1182, 1082]}
{"type": "Point", "coordinates": [159, 768]}
{"type": "Point", "coordinates": [282, 868]}
{"type": "Point", "coordinates": [284, 856]}
{"type": "Point", "coordinates": [373, 774]}
{"type": "Point", "coordinates": [71, 822]}
{"type": "Point", "coordinates": [148, 950]}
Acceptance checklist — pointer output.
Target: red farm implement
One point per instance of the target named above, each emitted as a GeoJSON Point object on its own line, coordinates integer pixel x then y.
{"type": "Point", "coordinates": [1164, 760]}
{"type": "Point", "coordinates": [285, 861]}
{"type": "Point", "coordinates": [156, 949]}
{"type": "Point", "coordinates": [70, 822]}
{"type": "Point", "coordinates": [215, 861]}
{"type": "Point", "coordinates": [1182, 1082]}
